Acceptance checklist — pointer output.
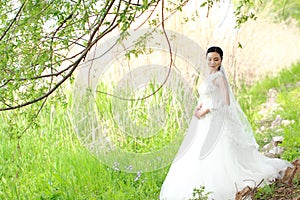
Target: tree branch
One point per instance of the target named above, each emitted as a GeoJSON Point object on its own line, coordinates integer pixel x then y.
{"type": "Point", "coordinates": [13, 21]}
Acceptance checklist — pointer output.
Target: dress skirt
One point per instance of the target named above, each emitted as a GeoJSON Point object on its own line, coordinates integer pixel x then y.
{"type": "Point", "coordinates": [230, 165]}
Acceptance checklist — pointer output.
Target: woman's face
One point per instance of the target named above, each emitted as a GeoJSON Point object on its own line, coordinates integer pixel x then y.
{"type": "Point", "coordinates": [213, 60]}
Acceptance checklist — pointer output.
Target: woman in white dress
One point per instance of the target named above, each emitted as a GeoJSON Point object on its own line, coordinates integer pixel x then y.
{"type": "Point", "coordinates": [219, 150]}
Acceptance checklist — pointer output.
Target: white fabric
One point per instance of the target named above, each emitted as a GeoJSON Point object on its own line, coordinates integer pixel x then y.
{"type": "Point", "coordinates": [219, 150]}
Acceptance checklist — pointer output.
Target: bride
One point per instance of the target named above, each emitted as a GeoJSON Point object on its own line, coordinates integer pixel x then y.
{"type": "Point", "coordinates": [219, 151]}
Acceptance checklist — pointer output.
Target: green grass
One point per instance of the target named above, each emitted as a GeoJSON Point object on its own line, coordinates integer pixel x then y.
{"type": "Point", "coordinates": [258, 92]}
{"type": "Point", "coordinates": [49, 162]}
{"type": "Point", "coordinates": [287, 86]}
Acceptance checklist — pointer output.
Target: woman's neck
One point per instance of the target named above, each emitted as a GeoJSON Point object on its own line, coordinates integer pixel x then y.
{"type": "Point", "coordinates": [212, 71]}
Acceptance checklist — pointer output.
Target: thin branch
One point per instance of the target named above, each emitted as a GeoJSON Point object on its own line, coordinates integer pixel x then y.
{"type": "Point", "coordinates": [13, 21]}
{"type": "Point", "coordinates": [101, 22]}
{"type": "Point", "coordinates": [175, 10]}
{"type": "Point", "coordinates": [68, 75]}
{"type": "Point", "coordinates": [91, 42]}
{"type": "Point", "coordinates": [35, 116]}
{"type": "Point", "coordinates": [133, 4]}
{"type": "Point", "coordinates": [169, 71]}
{"type": "Point", "coordinates": [46, 94]}
{"type": "Point", "coordinates": [148, 16]}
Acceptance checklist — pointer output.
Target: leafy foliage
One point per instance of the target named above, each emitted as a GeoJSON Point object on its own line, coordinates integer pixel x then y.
{"type": "Point", "coordinates": [200, 194]}
{"type": "Point", "coordinates": [38, 38]}
{"type": "Point", "coordinates": [245, 10]}
{"type": "Point", "coordinates": [43, 42]}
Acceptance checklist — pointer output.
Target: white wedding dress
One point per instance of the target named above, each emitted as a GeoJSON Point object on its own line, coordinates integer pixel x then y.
{"type": "Point", "coordinates": [219, 150]}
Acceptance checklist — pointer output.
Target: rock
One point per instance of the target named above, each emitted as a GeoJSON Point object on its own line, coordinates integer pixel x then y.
{"type": "Point", "coordinates": [292, 173]}
{"type": "Point", "coordinates": [278, 139]}
{"type": "Point", "coordinates": [277, 121]}
{"type": "Point", "coordinates": [262, 128]}
{"type": "Point", "coordinates": [270, 105]}
{"type": "Point", "coordinates": [272, 149]}
{"type": "Point", "coordinates": [272, 95]}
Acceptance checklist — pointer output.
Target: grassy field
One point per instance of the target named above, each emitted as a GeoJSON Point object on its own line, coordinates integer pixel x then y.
{"type": "Point", "coordinates": [49, 162]}
{"type": "Point", "coordinates": [253, 101]}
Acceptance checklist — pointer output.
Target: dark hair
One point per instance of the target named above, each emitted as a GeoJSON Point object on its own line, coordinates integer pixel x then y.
{"type": "Point", "coordinates": [217, 50]}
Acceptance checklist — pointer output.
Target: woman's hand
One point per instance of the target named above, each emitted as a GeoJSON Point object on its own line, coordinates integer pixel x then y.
{"type": "Point", "coordinates": [201, 112]}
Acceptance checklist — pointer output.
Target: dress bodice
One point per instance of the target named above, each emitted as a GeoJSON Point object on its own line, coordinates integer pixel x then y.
{"type": "Point", "coordinates": [211, 94]}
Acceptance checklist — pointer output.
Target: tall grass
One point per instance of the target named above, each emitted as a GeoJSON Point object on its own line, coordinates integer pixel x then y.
{"type": "Point", "coordinates": [253, 99]}
{"type": "Point", "coordinates": [50, 163]}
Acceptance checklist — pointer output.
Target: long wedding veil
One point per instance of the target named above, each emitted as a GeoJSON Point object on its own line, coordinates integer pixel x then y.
{"type": "Point", "coordinates": [239, 115]}
{"type": "Point", "coordinates": [234, 113]}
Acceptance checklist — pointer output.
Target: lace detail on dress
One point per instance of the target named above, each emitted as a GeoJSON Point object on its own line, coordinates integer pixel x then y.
{"type": "Point", "coordinates": [211, 94]}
